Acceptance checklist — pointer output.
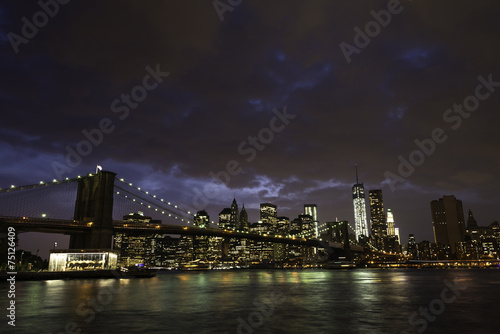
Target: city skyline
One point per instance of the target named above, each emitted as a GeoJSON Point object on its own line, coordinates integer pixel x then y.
{"type": "Point", "coordinates": [267, 104]}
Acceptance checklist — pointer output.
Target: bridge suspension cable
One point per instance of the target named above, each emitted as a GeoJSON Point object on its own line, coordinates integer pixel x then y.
{"type": "Point", "coordinates": [152, 202]}
{"type": "Point", "coordinates": [14, 188]}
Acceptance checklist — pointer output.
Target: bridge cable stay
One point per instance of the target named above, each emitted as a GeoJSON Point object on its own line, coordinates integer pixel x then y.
{"type": "Point", "coordinates": [46, 199]}
{"type": "Point", "coordinates": [156, 205]}
{"type": "Point", "coordinates": [42, 184]}
{"type": "Point", "coordinates": [146, 203]}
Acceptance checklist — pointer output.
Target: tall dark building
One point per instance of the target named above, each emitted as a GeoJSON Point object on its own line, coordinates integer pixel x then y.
{"type": "Point", "coordinates": [235, 215]}
{"type": "Point", "coordinates": [295, 226]}
{"type": "Point", "coordinates": [377, 215]}
{"type": "Point", "coordinates": [471, 221]}
{"type": "Point", "coordinates": [244, 226]}
{"type": "Point", "coordinates": [448, 221]}
{"type": "Point", "coordinates": [412, 247]}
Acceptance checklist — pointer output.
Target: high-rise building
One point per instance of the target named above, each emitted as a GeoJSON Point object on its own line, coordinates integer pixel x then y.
{"type": "Point", "coordinates": [295, 226]}
{"type": "Point", "coordinates": [244, 226]}
{"type": "Point", "coordinates": [202, 219]}
{"type": "Point", "coordinates": [225, 219]}
{"type": "Point", "coordinates": [312, 210]}
{"type": "Point", "coordinates": [377, 215]}
{"type": "Point", "coordinates": [261, 251]}
{"type": "Point", "coordinates": [412, 247]}
{"type": "Point", "coordinates": [136, 247]}
{"type": "Point", "coordinates": [358, 197]}
{"type": "Point", "coordinates": [391, 228]}
{"type": "Point", "coordinates": [306, 226]}
{"type": "Point", "coordinates": [200, 242]}
{"type": "Point", "coordinates": [235, 215]}
{"type": "Point", "coordinates": [283, 226]}
{"type": "Point", "coordinates": [269, 215]}
{"type": "Point", "coordinates": [471, 221]}
{"type": "Point", "coordinates": [448, 221]}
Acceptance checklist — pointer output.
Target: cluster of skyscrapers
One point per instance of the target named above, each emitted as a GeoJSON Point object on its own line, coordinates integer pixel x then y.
{"type": "Point", "coordinates": [157, 250]}
{"type": "Point", "coordinates": [454, 238]}
{"type": "Point", "coordinates": [384, 235]}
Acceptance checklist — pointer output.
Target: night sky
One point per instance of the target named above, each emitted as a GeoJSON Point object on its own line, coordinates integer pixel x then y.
{"type": "Point", "coordinates": [203, 85]}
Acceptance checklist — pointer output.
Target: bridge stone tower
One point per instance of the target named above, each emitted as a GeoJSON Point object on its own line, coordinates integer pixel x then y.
{"type": "Point", "coordinates": [94, 203]}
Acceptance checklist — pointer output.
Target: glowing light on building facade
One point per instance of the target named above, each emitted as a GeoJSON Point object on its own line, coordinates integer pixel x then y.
{"type": "Point", "coordinates": [358, 197]}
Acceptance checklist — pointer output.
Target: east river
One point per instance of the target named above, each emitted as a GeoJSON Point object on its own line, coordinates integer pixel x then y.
{"type": "Point", "coordinates": [264, 301]}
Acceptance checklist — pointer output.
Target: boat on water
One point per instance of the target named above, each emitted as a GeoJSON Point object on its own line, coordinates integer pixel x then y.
{"type": "Point", "coordinates": [196, 265]}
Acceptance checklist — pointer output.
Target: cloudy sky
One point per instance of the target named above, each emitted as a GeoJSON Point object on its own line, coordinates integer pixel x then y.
{"type": "Point", "coordinates": [181, 90]}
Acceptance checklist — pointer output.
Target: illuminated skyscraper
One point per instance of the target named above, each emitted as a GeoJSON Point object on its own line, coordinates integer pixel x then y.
{"type": "Point", "coordinates": [202, 219]}
{"type": "Point", "coordinates": [391, 230]}
{"type": "Point", "coordinates": [225, 219]}
{"type": "Point", "coordinates": [377, 216]}
{"type": "Point", "coordinates": [283, 226]}
{"type": "Point", "coordinates": [312, 210]}
{"type": "Point", "coordinates": [448, 221]}
{"type": "Point", "coordinates": [358, 197]}
{"type": "Point", "coordinates": [269, 214]}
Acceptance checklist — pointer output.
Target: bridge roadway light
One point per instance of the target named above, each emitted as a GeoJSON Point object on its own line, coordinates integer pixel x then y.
{"type": "Point", "coordinates": [44, 215]}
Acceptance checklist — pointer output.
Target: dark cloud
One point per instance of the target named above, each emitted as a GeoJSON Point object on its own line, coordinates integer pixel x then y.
{"type": "Point", "coordinates": [226, 78]}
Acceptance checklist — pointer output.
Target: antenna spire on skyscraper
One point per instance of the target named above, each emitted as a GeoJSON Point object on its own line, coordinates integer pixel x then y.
{"type": "Point", "coordinates": [356, 166]}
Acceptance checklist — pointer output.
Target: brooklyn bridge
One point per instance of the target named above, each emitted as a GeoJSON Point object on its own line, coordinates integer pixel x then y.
{"type": "Point", "coordinates": [99, 196]}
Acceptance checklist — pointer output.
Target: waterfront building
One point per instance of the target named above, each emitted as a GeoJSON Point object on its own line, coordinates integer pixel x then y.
{"type": "Point", "coordinates": [377, 217]}
{"type": "Point", "coordinates": [283, 226]}
{"type": "Point", "coordinates": [165, 254]}
{"type": "Point", "coordinates": [391, 229]}
{"type": "Point", "coordinates": [360, 222]}
{"type": "Point", "coordinates": [312, 210]}
{"type": "Point", "coordinates": [412, 247]}
{"type": "Point", "coordinates": [269, 215]}
{"type": "Point", "coordinates": [201, 219]}
{"type": "Point", "coordinates": [85, 259]}
{"type": "Point", "coordinates": [234, 220]}
{"type": "Point", "coordinates": [136, 247]}
{"type": "Point", "coordinates": [306, 226]}
{"type": "Point", "coordinates": [448, 221]}
{"type": "Point", "coordinates": [295, 226]}
{"type": "Point", "coordinates": [225, 219]}
{"type": "Point", "coordinates": [261, 251]}
{"type": "Point", "coordinates": [244, 226]}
